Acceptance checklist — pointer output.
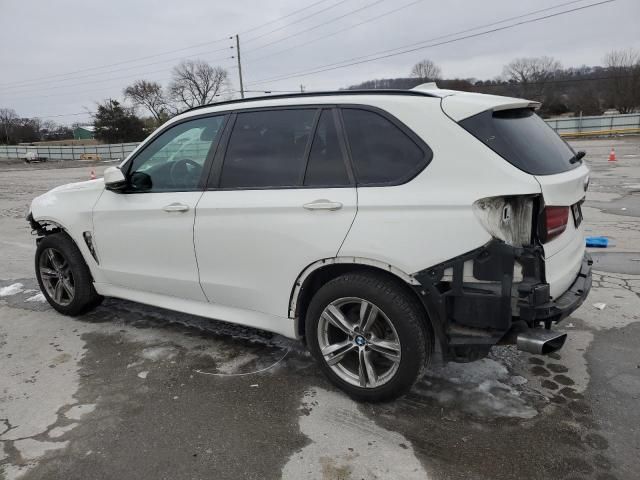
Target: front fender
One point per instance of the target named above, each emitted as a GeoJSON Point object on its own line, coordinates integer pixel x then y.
{"type": "Point", "coordinates": [69, 208]}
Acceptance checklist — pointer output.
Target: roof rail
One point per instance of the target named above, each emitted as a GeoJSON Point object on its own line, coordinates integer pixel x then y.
{"type": "Point", "coordinates": [377, 91]}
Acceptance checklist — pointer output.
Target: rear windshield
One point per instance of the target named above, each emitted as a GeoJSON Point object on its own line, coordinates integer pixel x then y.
{"type": "Point", "coordinates": [523, 139]}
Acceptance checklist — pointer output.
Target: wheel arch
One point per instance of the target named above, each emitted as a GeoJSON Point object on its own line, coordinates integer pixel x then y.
{"type": "Point", "coordinates": [317, 274]}
{"type": "Point", "coordinates": [45, 226]}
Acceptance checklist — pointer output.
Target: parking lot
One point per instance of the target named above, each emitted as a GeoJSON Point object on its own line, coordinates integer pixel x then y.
{"type": "Point", "coordinates": [131, 391]}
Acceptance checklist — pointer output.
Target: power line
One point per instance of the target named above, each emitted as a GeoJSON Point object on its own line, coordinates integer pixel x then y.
{"type": "Point", "coordinates": [128, 76]}
{"type": "Point", "coordinates": [432, 39]}
{"type": "Point", "coordinates": [296, 21]}
{"type": "Point", "coordinates": [231, 47]}
{"type": "Point", "coordinates": [65, 115]}
{"type": "Point", "coordinates": [282, 18]}
{"type": "Point", "coordinates": [459, 32]}
{"type": "Point", "coordinates": [380, 55]}
{"type": "Point", "coordinates": [167, 60]}
{"type": "Point", "coordinates": [146, 57]}
{"type": "Point", "coordinates": [126, 68]}
{"type": "Point", "coordinates": [48, 80]}
{"type": "Point", "coordinates": [350, 27]}
{"type": "Point", "coordinates": [99, 67]}
{"type": "Point", "coordinates": [369, 5]}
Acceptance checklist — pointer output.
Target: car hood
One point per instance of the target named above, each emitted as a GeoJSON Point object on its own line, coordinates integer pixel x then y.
{"type": "Point", "coordinates": [97, 184]}
{"type": "Point", "coordinates": [67, 200]}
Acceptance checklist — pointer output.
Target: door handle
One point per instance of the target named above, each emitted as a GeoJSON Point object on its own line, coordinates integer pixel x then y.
{"type": "Point", "coordinates": [176, 207]}
{"type": "Point", "coordinates": [323, 205]}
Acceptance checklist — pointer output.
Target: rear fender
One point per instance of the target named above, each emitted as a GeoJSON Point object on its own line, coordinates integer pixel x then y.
{"type": "Point", "coordinates": [473, 297]}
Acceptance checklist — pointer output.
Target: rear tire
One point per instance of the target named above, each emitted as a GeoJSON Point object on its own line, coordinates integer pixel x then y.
{"type": "Point", "coordinates": [64, 277]}
{"type": "Point", "coordinates": [369, 335]}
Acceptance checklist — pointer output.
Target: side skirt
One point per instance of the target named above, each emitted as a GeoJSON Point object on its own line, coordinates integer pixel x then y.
{"type": "Point", "coordinates": [249, 318]}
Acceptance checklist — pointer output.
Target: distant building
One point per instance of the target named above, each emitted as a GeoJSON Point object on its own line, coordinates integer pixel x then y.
{"type": "Point", "coordinates": [84, 132]}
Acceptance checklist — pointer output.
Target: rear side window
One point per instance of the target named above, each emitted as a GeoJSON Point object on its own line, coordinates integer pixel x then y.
{"type": "Point", "coordinates": [267, 149]}
{"type": "Point", "coordinates": [380, 151]}
{"type": "Point", "coordinates": [326, 167]}
{"type": "Point", "coordinates": [523, 139]}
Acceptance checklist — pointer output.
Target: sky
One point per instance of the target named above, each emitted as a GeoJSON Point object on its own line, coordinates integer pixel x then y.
{"type": "Point", "coordinates": [58, 59]}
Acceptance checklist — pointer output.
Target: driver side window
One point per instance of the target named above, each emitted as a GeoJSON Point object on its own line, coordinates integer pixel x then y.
{"type": "Point", "coordinates": [174, 161]}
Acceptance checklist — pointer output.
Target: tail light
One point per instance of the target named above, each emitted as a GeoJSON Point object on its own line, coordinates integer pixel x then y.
{"type": "Point", "coordinates": [554, 222]}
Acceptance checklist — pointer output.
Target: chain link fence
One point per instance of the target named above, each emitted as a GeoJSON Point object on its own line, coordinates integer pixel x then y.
{"type": "Point", "coordinates": [117, 151]}
{"type": "Point", "coordinates": [596, 125]}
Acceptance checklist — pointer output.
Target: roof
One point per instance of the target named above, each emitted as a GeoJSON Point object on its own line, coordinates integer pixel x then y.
{"type": "Point", "coordinates": [317, 94]}
{"type": "Point", "coordinates": [88, 128]}
{"type": "Point", "coordinates": [456, 104]}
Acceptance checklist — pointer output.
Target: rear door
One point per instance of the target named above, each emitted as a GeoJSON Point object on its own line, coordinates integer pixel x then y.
{"type": "Point", "coordinates": [527, 142]}
{"type": "Point", "coordinates": [281, 196]}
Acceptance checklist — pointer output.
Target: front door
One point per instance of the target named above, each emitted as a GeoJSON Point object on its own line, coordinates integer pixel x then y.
{"type": "Point", "coordinates": [144, 235]}
{"type": "Point", "coordinates": [282, 198]}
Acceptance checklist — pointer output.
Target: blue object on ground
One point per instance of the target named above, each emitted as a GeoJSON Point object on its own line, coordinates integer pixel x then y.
{"type": "Point", "coordinates": [597, 242]}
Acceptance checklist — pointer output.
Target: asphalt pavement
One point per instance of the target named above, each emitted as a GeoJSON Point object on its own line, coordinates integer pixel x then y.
{"type": "Point", "coordinates": [135, 392]}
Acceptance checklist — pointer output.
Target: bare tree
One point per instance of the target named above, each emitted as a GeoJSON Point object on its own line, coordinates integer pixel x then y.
{"type": "Point", "coordinates": [197, 83]}
{"type": "Point", "coordinates": [149, 95]}
{"type": "Point", "coordinates": [623, 79]}
{"type": "Point", "coordinates": [8, 121]}
{"type": "Point", "coordinates": [426, 70]}
{"type": "Point", "coordinates": [532, 74]}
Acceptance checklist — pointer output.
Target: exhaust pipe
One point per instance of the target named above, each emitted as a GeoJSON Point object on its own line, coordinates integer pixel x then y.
{"type": "Point", "coordinates": [539, 341]}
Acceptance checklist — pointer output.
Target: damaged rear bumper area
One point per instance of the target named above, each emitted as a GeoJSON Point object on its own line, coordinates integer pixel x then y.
{"type": "Point", "coordinates": [497, 294]}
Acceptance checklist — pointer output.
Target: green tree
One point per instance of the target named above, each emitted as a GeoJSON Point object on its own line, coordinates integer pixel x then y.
{"type": "Point", "coordinates": [115, 123]}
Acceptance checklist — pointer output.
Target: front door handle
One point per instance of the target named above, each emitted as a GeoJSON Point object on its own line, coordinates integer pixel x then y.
{"type": "Point", "coordinates": [176, 207]}
{"type": "Point", "coordinates": [323, 205]}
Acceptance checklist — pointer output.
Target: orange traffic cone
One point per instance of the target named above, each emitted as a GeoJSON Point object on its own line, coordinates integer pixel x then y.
{"type": "Point", "coordinates": [612, 155]}
{"type": "Point", "coordinates": [93, 175]}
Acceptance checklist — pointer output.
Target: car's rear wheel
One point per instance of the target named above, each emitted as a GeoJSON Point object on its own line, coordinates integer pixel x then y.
{"type": "Point", "coordinates": [369, 335]}
{"type": "Point", "coordinates": [63, 275]}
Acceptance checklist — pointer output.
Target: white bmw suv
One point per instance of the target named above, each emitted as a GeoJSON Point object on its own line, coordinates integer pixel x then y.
{"type": "Point", "coordinates": [379, 227]}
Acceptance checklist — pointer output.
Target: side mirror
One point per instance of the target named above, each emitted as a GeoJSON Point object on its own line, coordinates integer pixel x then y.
{"type": "Point", "coordinates": [114, 179]}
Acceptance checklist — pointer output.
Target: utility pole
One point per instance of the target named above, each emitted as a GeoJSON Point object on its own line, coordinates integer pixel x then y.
{"type": "Point", "coordinates": [301, 88]}
{"type": "Point", "coordinates": [239, 65]}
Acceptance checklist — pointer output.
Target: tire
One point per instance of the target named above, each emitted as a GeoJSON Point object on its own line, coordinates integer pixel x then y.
{"type": "Point", "coordinates": [65, 279]}
{"type": "Point", "coordinates": [399, 321]}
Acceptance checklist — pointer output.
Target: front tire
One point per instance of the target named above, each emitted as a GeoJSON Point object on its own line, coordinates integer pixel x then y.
{"type": "Point", "coordinates": [369, 335]}
{"type": "Point", "coordinates": [64, 277]}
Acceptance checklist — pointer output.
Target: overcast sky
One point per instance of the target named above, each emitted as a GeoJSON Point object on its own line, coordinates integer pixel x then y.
{"type": "Point", "coordinates": [49, 49]}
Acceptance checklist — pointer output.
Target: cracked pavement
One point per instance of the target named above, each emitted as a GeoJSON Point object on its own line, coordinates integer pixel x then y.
{"type": "Point", "coordinates": [127, 391]}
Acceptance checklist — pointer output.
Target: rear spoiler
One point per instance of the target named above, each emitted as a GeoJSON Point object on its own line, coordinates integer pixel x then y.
{"type": "Point", "coordinates": [460, 105]}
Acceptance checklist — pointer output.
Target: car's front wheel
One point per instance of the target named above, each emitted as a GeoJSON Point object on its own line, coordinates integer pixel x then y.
{"type": "Point", "coordinates": [369, 335]}
{"type": "Point", "coordinates": [63, 275]}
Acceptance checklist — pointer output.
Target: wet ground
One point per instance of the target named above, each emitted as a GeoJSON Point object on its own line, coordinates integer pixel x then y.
{"type": "Point", "coordinates": [130, 391]}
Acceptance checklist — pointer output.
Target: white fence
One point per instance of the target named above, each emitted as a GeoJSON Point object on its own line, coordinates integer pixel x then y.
{"type": "Point", "coordinates": [117, 151]}
{"type": "Point", "coordinates": [600, 125]}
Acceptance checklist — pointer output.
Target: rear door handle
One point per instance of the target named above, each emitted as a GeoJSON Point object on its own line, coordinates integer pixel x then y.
{"type": "Point", "coordinates": [323, 205]}
{"type": "Point", "coordinates": [176, 207]}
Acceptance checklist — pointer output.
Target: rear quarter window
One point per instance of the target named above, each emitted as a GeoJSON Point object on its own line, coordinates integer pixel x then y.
{"type": "Point", "coordinates": [523, 139]}
{"type": "Point", "coordinates": [382, 153]}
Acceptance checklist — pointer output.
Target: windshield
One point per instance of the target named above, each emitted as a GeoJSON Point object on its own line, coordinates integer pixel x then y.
{"type": "Point", "coordinates": [523, 139]}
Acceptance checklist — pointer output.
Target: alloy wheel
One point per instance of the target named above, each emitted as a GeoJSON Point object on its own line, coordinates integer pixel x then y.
{"type": "Point", "coordinates": [359, 342]}
{"type": "Point", "coordinates": [57, 277]}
